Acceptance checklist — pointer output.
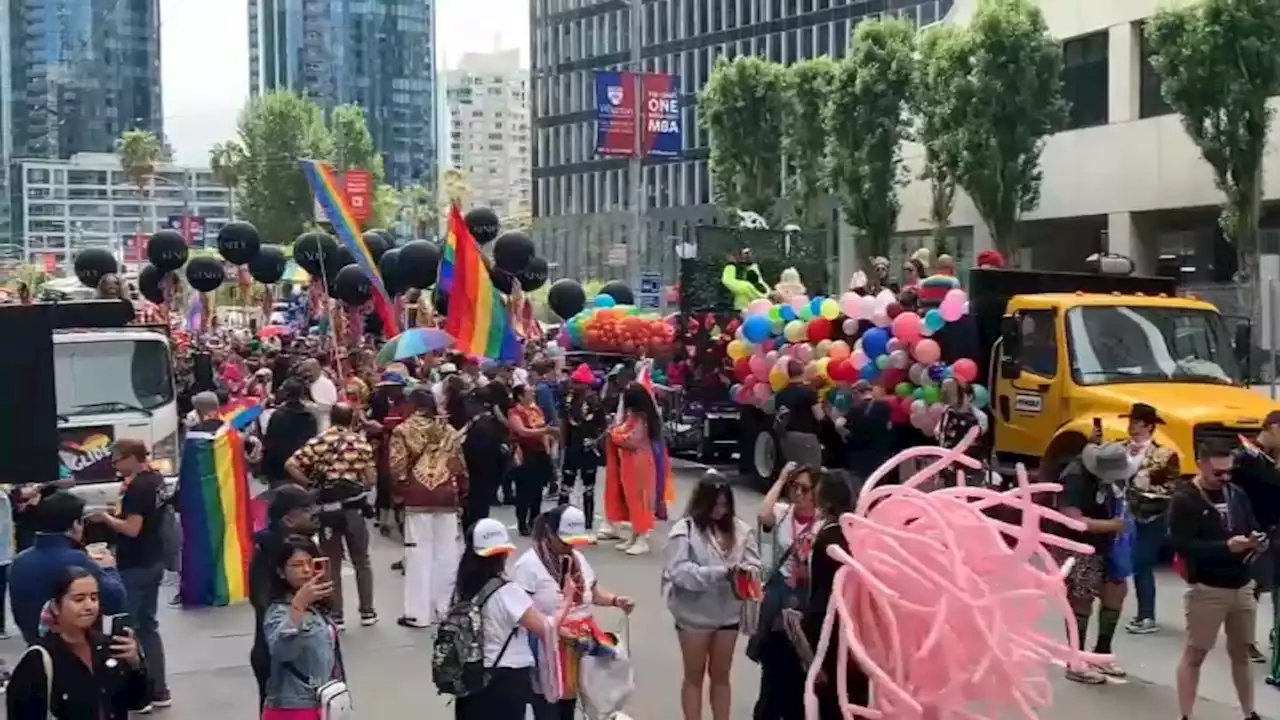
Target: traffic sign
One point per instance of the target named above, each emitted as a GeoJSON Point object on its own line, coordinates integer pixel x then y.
{"type": "Point", "coordinates": [650, 295]}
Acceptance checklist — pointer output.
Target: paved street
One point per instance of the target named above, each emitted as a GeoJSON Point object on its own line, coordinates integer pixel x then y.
{"type": "Point", "coordinates": [389, 666]}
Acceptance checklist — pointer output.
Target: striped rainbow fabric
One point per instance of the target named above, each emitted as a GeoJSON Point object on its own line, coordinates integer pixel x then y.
{"type": "Point", "coordinates": [477, 315]}
{"type": "Point", "coordinates": [213, 497]}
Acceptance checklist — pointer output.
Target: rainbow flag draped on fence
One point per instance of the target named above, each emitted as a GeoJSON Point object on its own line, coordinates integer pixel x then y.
{"type": "Point", "coordinates": [213, 498]}
{"type": "Point", "coordinates": [326, 190]}
{"type": "Point", "coordinates": [477, 316]}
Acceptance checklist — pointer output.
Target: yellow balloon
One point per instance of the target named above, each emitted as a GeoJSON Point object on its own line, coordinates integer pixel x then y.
{"type": "Point", "coordinates": [822, 348]}
{"type": "Point", "coordinates": [777, 379]}
{"type": "Point", "coordinates": [794, 332]}
{"type": "Point", "coordinates": [822, 368]}
{"type": "Point", "coordinates": [829, 309]}
{"type": "Point", "coordinates": [738, 349]}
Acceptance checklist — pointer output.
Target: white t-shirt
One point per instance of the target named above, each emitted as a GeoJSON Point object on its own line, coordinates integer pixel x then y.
{"type": "Point", "coordinates": [324, 395]}
{"type": "Point", "coordinates": [532, 576]}
{"type": "Point", "coordinates": [520, 375]}
{"type": "Point", "coordinates": [785, 528]}
{"type": "Point", "coordinates": [502, 612]}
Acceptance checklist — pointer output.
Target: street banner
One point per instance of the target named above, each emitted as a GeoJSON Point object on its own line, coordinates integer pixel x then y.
{"type": "Point", "coordinates": [357, 186]}
{"type": "Point", "coordinates": [615, 113]}
{"type": "Point", "coordinates": [660, 102]}
{"type": "Point", "coordinates": [136, 247]}
{"type": "Point", "coordinates": [190, 227]}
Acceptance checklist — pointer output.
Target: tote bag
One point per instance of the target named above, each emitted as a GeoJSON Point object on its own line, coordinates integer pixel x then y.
{"type": "Point", "coordinates": [606, 682]}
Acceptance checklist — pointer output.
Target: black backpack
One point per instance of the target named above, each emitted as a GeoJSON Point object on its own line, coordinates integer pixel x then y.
{"type": "Point", "coordinates": [457, 657]}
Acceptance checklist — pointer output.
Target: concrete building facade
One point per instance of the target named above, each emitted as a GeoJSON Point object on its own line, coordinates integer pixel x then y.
{"type": "Point", "coordinates": [488, 97]}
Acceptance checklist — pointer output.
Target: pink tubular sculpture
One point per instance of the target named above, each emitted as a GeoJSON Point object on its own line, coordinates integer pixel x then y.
{"type": "Point", "coordinates": [945, 618]}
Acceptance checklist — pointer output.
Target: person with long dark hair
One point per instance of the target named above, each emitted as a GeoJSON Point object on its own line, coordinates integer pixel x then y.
{"type": "Point", "coordinates": [301, 638]}
{"type": "Point", "coordinates": [508, 616]}
{"type": "Point", "coordinates": [630, 471]}
{"type": "Point", "coordinates": [535, 472]}
{"type": "Point", "coordinates": [94, 676]}
{"type": "Point", "coordinates": [704, 551]}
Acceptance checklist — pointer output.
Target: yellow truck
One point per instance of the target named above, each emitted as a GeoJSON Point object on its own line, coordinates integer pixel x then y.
{"type": "Point", "coordinates": [1064, 349]}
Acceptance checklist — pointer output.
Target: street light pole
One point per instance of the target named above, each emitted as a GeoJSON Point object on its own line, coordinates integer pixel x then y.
{"type": "Point", "coordinates": [635, 166]}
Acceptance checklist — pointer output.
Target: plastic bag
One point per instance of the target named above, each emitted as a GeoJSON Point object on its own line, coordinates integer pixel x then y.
{"type": "Point", "coordinates": [605, 682]}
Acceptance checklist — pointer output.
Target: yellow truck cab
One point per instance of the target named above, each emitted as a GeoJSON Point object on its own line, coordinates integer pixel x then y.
{"type": "Point", "coordinates": [1066, 350]}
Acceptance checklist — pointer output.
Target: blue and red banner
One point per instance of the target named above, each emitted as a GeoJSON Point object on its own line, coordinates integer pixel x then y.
{"type": "Point", "coordinates": [656, 98]}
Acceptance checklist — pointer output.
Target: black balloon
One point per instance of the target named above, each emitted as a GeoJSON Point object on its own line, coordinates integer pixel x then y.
{"type": "Point", "coordinates": [91, 264]}
{"type": "Point", "coordinates": [389, 267]}
{"type": "Point", "coordinates": [314, 250]}
{"type": "Point", "coordinates": [512, 251]}
{"type": "Point", "coordinates": [268, 267]}
{"type": "Point", "coordinates": [534, 275]}
{"type": "Point", "coordinates": [238, 243]}
{"type": "Point", "coordinates": [440, 302]}
{"type": "Point", "coordinates": [504, 281]}
{"type": "Point", "coordinates": [483, 224]}
{"type": "Point", "coordinates": [341, 259]}
{"type": "Point", "coordinates": [167, 250]}
{"type": "Point", "coordinates": [351, 286]}
{"type": "Point", "coordinates": [619, 291]}
{"type": "Point", "coordinates": [151, 284]}
{"type": "Point", "coordinates": [378, 242]}
{"type": "Point", "coordinates": [566, 298]}
{"type": "Point", "coordinates": [418, 264]}
{"type": "Point", "coordinates": [205, 274]}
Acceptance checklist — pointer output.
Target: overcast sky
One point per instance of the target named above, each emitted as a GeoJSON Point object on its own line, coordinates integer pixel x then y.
{"type": "Point", "coordinates": [205, 60]}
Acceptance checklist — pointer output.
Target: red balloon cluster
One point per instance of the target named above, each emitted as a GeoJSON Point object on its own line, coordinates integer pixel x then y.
{"type": "Point", "coordinates": [613, 330]}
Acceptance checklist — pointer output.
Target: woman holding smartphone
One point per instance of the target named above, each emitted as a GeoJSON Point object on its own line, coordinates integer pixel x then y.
{"type": "Point", "coordinates": [301, 640]}
{"type": "Point", "coordinates": [93, 675]}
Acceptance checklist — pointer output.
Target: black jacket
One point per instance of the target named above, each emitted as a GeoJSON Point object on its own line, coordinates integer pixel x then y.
{"type": "Point", "coordinates": [1256, 474]}
{"type": "Point", "coordinates": [108, 692]}
{"type": "Point", "coordinates": [869, 439]}
{"type": "Point", "coordinates": [291, 426]}
{"type": "Point", "coordinates": [1200, 536]}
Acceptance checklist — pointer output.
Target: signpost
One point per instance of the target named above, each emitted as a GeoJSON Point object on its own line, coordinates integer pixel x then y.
{"type": "Point", "coordinates": [650, 295]}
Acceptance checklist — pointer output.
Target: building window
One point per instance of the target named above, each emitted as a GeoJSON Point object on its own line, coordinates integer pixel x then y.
{"type": "Point", "coordinates": [1084, 80]}
{"type": "Point", "coordinates": [1150, 101]}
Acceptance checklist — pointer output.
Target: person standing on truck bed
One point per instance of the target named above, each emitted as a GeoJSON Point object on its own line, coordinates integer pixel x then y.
{"type": "Point", "coordinates": [798, 412]}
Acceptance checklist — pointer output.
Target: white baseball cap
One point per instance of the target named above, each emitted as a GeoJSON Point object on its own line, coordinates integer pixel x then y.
{"type": "Point", "coordinates": [573, 527]}
{"type": "Point", "coordinates": [489, 537]}
{"type": "Point", "coordinates": [448, 368]}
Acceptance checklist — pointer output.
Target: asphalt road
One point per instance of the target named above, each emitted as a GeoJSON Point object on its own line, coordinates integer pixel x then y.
{"type": "Point", "coordinates": [389, 666]}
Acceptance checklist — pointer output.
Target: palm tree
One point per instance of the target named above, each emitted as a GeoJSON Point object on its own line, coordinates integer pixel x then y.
{"type": "Point", "coordinates": [420, 210]}
{"type": "Point", "coordinates": [225, 160]}
{"type": "Point", "coordinates": [139, 152]}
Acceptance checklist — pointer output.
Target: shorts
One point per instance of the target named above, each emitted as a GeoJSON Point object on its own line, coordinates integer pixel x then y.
{"type": "Point", "coordinates": [1210, 608]}
{"type": "Point", "coordinates": [1088, 574]}
{"type": "Point", "coordinates": [723, 628]}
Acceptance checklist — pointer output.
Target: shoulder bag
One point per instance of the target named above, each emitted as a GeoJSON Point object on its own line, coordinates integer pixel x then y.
{"type": "Point", "coordinates": [46, 661]}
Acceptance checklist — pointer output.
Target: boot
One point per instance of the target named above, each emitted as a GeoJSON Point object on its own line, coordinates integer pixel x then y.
{"type": "Point", "coordinates": [589, 511]}
{"type": "Point", "coordinates": [639, 546]}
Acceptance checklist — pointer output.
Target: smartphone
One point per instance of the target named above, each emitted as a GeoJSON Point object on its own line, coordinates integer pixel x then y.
{"type": "Point", "coordinates": [321, 565]}
{"type": "Point", "coordinates": [1097, 427]}
{"type": "Point", "coordinates": [115, 625]}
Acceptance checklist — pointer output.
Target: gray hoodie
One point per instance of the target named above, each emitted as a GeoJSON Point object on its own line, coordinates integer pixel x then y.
{"type": "Point", "coordinates": [696, 579]}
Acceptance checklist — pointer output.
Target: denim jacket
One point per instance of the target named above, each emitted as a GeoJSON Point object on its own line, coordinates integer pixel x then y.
{"type": "Point", "coordinates": [310, 647]}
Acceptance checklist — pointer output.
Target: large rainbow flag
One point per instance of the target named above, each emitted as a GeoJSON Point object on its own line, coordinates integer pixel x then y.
{"type": "Point", "coordinates": [324, 185]}
{"type": "Point", "coordinates": [214, 500]}
{"type": "Point", "coordinates": [477, 316]}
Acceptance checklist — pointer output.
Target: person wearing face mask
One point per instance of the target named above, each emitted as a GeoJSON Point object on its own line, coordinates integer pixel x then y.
{"type": "Point", "coordinates": [1148, 498]}
{"type": "Point", "coordinates": [93, 676]}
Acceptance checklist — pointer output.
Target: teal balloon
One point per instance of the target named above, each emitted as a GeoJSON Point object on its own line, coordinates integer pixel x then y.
{"type": "Point", "coordinates": [902, 389]}
{"type": "Point", "coordinates": [607, 301]}
{"type": "Point", "coordinates": [882, 362]}
{"type": "Point", "coordinates": [981, 398]}
{"type": "Point", "coordinates": [918, 393]}
{"type": "Point", "coordinates": [815, 305]}
{"type": "Point", "coordinates": [933, 320]}
{"type": "Point", "coordinates": [788, 313]}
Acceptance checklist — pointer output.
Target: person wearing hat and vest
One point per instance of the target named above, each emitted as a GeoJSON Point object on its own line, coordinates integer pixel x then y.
{"type": "Point", "coordinates": [1093, 492]}
{"type": "Point", "coordinates": [1148, 497]}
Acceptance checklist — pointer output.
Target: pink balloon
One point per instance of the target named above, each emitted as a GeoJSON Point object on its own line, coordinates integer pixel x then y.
{"type": "Point", "coordinates": [898, 359]}
{"type": "Point", "coordinates": [866, 307]}
{"type": "Point", "coordinates": [761, 392]}
{"type": "Point", "coordinates": [758, 367]}
{"type": "Point", "coordinates": [798, 302]}
{"type": "Point", "coordinates": [927, 351]}
{"type": "Point", "coordinates": [803, 352]}
{"type": "Point", "coordinates": [906, 327]}
{"type": "Point", "coordinates": [849, 326]}
{"type": "Point", "coordinates": [951, 311]}
{"type": "Point", "coordinates": [880, 317]}
{"type": "Point", "coordinates": [849, 304]}
{"type": "Point", "coordinates": [894, 344]}
{"type": "Point", "coordinates": [965, 369]}
{"type": "Point", "coordinates": [957, 296]}
{"type": "Point", "coordinates": [759, 306]}
{"type": "Point", "coordinates": [771, 358]}
{"type": "Point", "coordinates": [744, 396]}
{"type": "Point", "coordinates": [858, 358]}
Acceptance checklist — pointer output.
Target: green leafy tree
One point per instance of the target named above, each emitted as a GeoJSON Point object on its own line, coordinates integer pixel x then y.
{"type": "Point", "coordinates": [807, 87]}
{"type": "Point", "coordinates": [226, 160]}
{"type": "Point", "coordinates": [1005, 78]}
{"type": "Point", "coordinates": [741, 107]}
{"type": "Point", "coordinates": [1219, 62]}
{"type": "Point", "coordinates": [353, 145]}
{"type": "Point", "coordinates": [139, 152]}
{"type": "Point", "coordinates": [387, 202]}
{"type": "Point", "coordinates": [934, 105]}
{"type": "Point", "coordinates": [421, 210]}
{"type": "Point", "coordinates": [866, 123]}
{"type": "Point", "coordinates": [276, 131]}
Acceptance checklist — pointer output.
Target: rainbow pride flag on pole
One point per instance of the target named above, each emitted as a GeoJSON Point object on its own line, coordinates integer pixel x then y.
{"type": "Point", "coordinates": [324, 185]}
{"type": "Point", "coordinates": [213, 498]}
{"type": "Point", "coordinates": [477, 316]}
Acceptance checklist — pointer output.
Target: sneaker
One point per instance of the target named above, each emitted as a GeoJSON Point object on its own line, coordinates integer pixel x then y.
{"type": "Point", "coordinates": [339, 622]}
{"type": "Point", "coordinates": [608, 532]}
{"type": "Point", "coordinates": [624, 544]}
{"type": "Point", "coordinates": [145, 709]}
{"type": "Point", "coordinates": [1086, 676]}
{"type": "Point", "coordinates": [1110, 669]}
{"type": "Point", "coordinates": [1256, 655]}
{"type": "Point", "coordinates": [368, 619]}
{"type": "Point", "coordinates": [411, 623]}
{"type": "Point", "coordinates": [1142, 626]}
{"type": "Point", "coordinates": [639, 547]}
{"type": "Point", "coordinates": [162, 700]}
{"type": "Point", "coordinates": [4, 635]}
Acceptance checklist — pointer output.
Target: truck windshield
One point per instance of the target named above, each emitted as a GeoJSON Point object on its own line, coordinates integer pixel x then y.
{"type": "Point", "coordinates": [1126, 344]}
{"type": "Point", "coordinates": [111, 376]}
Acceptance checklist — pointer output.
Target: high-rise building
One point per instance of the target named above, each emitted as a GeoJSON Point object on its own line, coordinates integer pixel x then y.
{"type": "Point", "coordinates": [379, 55]}
{"type": "Point", "coordinates": [78, 73]}
{"type": "Point", "coordinates": [489, 129]}
{"type": "Point", "coordinates": [582, 203]}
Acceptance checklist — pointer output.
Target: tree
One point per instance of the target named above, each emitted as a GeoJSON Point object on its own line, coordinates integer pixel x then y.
{"type": "Point", "coordinates": [456, 187]}
{"type": "Point", "coordinates": [225, 160]}
{"type": "Point", "coordinates": [934, 107]}
{"type": "Point", "coordinates": [276, 131]}
{"type": "Point", "coordinates": [387, 202]}
{"type": "Point", "coordinates": [1005, 79]}
{"type": "Point", "coordinates": [741, 107]}
{"type": "Point", "coordinates": [807, 88]}
{"type": "Point", "coordinates": [139, 152]}
{"type": "Point", "coordinates": [353, 145]}
{"type": "Point", "coordinates": [866, 123]}
{"type": "Point", "coordinates": [421, 211]}
{"type": "Point", "coordinates": [521, 218]}
{"type": "Point", "coordinates": [1218, 65]}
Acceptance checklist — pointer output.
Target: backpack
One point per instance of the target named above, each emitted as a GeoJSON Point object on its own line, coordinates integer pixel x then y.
{"type": "Point", "coordinates": [457, 657]}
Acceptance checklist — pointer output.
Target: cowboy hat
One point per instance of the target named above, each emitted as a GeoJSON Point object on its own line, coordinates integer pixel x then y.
{"type": "Point", "coordinates": [1143, 412]}
{"type": "Point", "coordinates": [1109, 462]}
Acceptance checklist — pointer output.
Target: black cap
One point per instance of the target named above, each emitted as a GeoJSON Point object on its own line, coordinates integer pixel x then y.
{"type": "Point", "coordinates": [1143, 412]}
{"type": "Point", "coordinates": [288, 498]}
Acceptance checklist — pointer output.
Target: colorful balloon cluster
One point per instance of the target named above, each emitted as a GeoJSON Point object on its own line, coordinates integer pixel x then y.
{"type": "Point", "coordinates": [897, 352]}
{"type": "Point", "coordinates": [609, 327]}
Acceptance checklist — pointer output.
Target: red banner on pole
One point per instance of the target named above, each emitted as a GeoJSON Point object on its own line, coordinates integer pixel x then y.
{"type": "Point", "coordinates": [357, 187]}
{"type": "Point", "coordinates": [50, 263]}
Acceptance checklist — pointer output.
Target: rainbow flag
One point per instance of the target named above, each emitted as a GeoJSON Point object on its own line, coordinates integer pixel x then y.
{"type": "Point", "coordinates": [477, 317]}
{"type": "Point", "coordinates": [241, 412]}
{"type": "Point", "coordinates": [325, 187]}
{"type": "Point", "coordinates": [213, 498]}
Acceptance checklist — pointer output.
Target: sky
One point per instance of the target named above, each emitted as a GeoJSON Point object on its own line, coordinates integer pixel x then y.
{"type": "Point", "coordinates": [204, 55]}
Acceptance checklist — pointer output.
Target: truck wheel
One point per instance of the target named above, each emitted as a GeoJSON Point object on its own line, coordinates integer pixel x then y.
{"type": "Point", "coordinates": [765, 459]}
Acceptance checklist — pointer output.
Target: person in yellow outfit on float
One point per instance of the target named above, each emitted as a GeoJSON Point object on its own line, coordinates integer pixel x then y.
{"type": "Point", "coordinates": [743, 279]}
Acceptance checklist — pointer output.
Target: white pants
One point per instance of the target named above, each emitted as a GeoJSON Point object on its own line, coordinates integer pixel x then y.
{"type": "Point", "coordinates": [432, 545]}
